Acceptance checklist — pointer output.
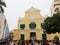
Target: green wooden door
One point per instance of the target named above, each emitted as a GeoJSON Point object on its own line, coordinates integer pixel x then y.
{"type": "Point", "coordinates": [22, 36]}
{"type": "Point", "coordinates": [44, 37]}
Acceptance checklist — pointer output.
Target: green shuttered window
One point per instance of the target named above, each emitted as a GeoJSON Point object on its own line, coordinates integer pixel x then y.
{"type": "Point", "coordinates": [32, 25]}
{"type": "Point", "coordinates": [22, 26]}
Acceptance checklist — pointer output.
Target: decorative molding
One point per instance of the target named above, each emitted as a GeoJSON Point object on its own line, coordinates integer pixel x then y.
{"type": "Point", "coordinates": [31, 19]}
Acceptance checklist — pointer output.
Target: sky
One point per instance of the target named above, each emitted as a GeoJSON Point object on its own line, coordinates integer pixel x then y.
{"type": "Point", "coordinates": [17, 8]}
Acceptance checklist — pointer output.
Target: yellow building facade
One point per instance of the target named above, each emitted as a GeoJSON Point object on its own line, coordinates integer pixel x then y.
{"type": "Point", "coordinates": [29, 27]}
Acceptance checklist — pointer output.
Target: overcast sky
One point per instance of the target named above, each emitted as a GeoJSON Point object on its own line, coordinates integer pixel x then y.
{"type": "Point", "coordinates": [17, 8]}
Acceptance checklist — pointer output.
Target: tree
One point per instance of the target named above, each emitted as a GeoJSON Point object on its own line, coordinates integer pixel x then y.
{"type": "Point", "coordinates": [52, 24]}
{"type": "Point", "coordinates": [2, 3]}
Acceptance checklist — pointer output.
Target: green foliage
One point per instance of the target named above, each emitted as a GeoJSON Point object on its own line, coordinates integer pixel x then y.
{"type": "Point", "coordinates": [52, 24]}
{"type": "Point", "coordinates": [2, 4]}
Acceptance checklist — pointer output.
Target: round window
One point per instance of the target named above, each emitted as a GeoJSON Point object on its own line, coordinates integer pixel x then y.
{"type": "Point", "coordinates": [22, 26]}
{"type": "Point", "coordinates": [32, 25]}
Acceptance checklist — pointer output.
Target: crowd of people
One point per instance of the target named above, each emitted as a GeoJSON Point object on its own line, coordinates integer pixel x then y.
{"type": "Point", "coordinates": [20, 42]}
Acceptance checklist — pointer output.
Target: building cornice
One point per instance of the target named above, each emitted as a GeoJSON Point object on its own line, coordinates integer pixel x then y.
{"type": "Point", "coordinates": [31, 19]}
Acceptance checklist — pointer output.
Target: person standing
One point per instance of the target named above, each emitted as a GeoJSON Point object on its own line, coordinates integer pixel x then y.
{"type": "Point", "coordinates": [3, 42]}
{"type": "Point", "coordinates": [36, 43]}
{"type": "Point", "coordinates": [11, 43]}
{"type": "Point", "coordinates": [45, 43]}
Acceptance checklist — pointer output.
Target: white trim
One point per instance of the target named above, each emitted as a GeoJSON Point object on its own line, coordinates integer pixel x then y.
{"type": "Point", "coordinates": [22, 32]}
{"type": "Point", "coordinates": [32, 30]}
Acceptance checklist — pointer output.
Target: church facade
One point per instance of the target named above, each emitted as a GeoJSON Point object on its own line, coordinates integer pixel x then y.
{"type": "Point", "coordinates": [29, 27]}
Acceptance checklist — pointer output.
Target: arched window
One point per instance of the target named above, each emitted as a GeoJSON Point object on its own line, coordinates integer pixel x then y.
{"type": "Point", "coordinates": [22, 26]}
{"type": "Point", "coordinates": [57, 10]}
{"type": "Point", "coordinates": [32, 25]}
